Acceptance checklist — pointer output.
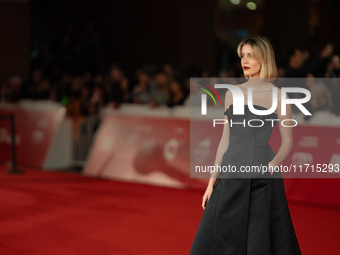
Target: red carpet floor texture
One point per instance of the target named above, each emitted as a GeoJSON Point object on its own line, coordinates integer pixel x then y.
{"type": "Point", "coordinates": [66, 213]}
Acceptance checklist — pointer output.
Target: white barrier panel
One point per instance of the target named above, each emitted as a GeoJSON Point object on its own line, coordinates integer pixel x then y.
{"type": "Point", "coordinates": [43, 134]}
{"type": "Point", "coordinates": [156, 150]}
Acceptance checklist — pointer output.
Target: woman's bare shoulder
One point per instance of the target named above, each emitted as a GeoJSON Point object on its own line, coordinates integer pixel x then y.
{"type": "Point", "coordinates": [242, 85]}
{"type": "Point", "coordinates": [228, 99]}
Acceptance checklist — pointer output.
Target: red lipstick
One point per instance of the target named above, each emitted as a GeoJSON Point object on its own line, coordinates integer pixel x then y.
{"type": "Point", "coordinates": [246, 68]}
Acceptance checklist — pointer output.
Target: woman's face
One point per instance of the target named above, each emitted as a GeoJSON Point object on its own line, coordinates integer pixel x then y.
{"type": "Point", "coordinates": [251, 67]}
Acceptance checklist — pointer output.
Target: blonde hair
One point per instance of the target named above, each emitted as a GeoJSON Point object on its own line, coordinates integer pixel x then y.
{"type": "Point", "coordinates": [263, 52]}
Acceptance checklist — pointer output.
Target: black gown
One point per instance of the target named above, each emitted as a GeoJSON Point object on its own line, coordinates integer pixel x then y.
{"type": "Point", "coordinates": [247, 216]}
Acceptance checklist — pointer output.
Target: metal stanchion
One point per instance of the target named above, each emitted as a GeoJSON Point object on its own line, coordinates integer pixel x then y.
{"type": "Point", "coordinates": [14, 169]}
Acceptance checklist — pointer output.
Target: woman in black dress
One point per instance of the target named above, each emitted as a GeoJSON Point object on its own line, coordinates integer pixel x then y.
{"type": "Point", "coordinates": [249, 215]}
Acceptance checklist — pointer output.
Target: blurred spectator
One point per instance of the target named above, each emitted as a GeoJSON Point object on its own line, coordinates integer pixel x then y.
{"type": "Point", "coordinates": [170, 72]}
{"type": "Point", "coordinates": [73, 107]}
{"type": "Point", "coordinates": [321, 98]}
{"type": "Point", "coordinates": [114, 89]}
{"type": "Point", "coordinates": [301, 62]}
{"type": "Point", "coordinates": [64, 88]}
{"type": "Point", "coordinates": [296, 58]}
{"type": "Point", "coordinates": [37, 77]}
{"type": "Point", "coordinates": [141, 93]}
{"type": "Point", "coordinates": [12, 89]}
{"type": "Point", "coordinates": [88, 79]}
{"type": "Point", "coordinates": [333, 68]}
{"type": "Point", "coordinates": [43, 90]}
{"type": "Point", "coordinates": [125, 88]}
{"type": "Point", "coordinates": [84, 101]}
{"type": "Point", "coordinates": [70, 69]}
{"type": "Point", "coordinates": [40, 87]}
{"type": "Point", "coordinates": [97, 99]}
{"type": "Point", "coordinates": [176, 94]}
{"type": "Point", "coordinates": [160, 94]}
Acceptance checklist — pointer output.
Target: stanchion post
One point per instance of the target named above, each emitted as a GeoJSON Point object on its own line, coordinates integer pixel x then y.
{"type": "Point", "coordinates": [14, 169]}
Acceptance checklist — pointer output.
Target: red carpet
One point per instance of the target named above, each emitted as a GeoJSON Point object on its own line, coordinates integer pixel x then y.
{"type": "Point", "coordinates": [65, 213]}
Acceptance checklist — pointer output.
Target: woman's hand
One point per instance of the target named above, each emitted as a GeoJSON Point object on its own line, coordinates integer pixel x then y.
{"type": "Point", "coordinates": [272, 166]}
{"type": "Point", "coordinates": [206, 196]}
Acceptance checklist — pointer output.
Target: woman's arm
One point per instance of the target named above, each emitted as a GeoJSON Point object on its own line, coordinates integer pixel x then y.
{"type": "Point", "coordinates": [221, 149]}
{"type": "Point", "coordinates": [286, 135]}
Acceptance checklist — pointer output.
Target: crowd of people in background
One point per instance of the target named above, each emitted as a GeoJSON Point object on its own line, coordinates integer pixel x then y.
{"type": "Point", "coordinates": [67, 76]}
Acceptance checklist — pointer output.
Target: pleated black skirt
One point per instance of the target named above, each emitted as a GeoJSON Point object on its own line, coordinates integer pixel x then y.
{"type": "Point", "coordinates": [246, 216]}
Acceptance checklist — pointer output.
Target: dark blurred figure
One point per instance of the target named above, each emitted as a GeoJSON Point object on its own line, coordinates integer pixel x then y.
{"type": "Point", "coordinates": [12, 90]}
{"type": "Point", "coordinates": [141, 91]}
{"type": "Point", "coordinates": [84, 101]}
{"type": "Point", "coordinates": [114, 89]}
{"type": "Point", "coordinates": [63, 88]}
{"type": "Point", "coordinates": [44, 57]}
{"type": "Point", "coordinates": [334, 72]}
{"type": "Point", "coordinates": [171, 73]}
{"type": "Point", "coordinates": [37, 78]}
{"type": "Point", "coordinates": [43, 91]}
{"type": "Point", "coordinates": [333, 68]}
{"type": "Point", "coordinates": [125, 88]}
{"type": "Point", "coordinates": [226, 57]}
{"type": "Point", "coordinates": [88, 79]}
{"type": "Point", "coordinates": [302, 63]}
{"type": "Point", "coordinates": [40, 88]}
{"type": "Point", "coordinates": [177, 95]}
{"type": "Point", "coordinates": [160, 93]}
{"type": "Point", "coordinates": [97, 100]}
{"type": "Point", "coordinates": [296, 59]}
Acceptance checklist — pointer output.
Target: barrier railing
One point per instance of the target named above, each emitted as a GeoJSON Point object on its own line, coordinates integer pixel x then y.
{"type": "Point", "coordinates": [83, 136]}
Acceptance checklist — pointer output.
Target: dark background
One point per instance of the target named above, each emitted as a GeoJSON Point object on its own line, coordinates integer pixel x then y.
{"type": "Point", "coordinates": [182, 33]}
